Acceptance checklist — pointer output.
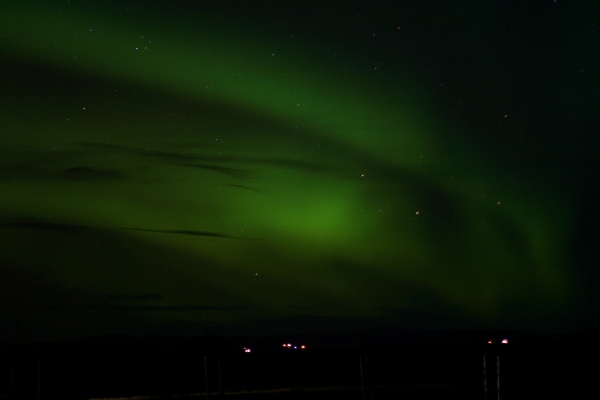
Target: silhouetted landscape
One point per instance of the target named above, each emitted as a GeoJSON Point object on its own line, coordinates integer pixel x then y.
{"type": "Point", "coordinates": [407, 364]}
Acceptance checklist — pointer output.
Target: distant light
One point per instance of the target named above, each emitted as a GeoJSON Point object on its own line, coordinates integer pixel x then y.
{"type": "Point", "coordinates": [284, 345]}
{"type": "Point", "coordinates": [303, 347]}
{"type": "Point", "coordinates": [289, 345]}
{"type": "Point", "coordinates": [295, 347]}
{"type": "Point", "coordinates": [490, 341]}
{"type": "Point", "coordinates": [247, 350]}
{"type": "Point", "coordinates": [504, 341]}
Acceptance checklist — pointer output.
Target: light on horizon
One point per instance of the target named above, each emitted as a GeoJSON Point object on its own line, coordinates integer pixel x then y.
{"type": "Point", "coordinates": [293, 346]}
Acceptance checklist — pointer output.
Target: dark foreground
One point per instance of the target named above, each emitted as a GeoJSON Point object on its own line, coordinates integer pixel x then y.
{"type": "Point", "coordinates": [156, 369]}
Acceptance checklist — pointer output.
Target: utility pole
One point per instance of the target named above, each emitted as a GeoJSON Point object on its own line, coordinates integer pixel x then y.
{"type": "Point", "coordinates": [38, 379]}
{"type": "Point", "coordinates": [485, 389]}
{"type": "Point", "coordinates": [498, 376]}
{"type": "Point", "coordinates": [220, 380]}
{"type": "Point", "coordinates": [362, 378]}
{"type": "Point", "coordinates": [206, 377]}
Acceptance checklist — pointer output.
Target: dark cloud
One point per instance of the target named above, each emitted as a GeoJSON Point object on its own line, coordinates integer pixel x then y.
{"type": "Point", "coordinates": [184, 160]}
{"type": "Point", "coordinates": [22, 172]}
{"type": "Point", "coordinates": [233, 172]}
{"type": "Point", "coordinates": [39, 224]}
{"type": "Point", "coordinates": [183, 232]}
{"type": "Point", "coordinates": [291, 164]}
{"type": "Point", "coordinates": [145, 152]}
{"type": "Point", "coordinates": [34, 223]}
{"type": "Point", "coordinates": [175, 308]}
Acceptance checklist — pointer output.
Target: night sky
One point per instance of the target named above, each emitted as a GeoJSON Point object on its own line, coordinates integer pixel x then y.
{"type": "Point", "coordinates": [266, 167]}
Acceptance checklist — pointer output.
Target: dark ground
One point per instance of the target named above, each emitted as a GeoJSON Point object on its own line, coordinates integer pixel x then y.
{"type": "Point", "coordinates": [159, 369]}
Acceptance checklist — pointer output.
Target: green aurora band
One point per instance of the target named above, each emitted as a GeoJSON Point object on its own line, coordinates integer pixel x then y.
{"type": "Point", "coordinates": [309, 191]}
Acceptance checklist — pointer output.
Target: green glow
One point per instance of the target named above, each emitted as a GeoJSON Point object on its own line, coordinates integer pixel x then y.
{"type": "Point", "coordinates": [211, 73]}
{"type": "Point", "coordinates": [335, 200]}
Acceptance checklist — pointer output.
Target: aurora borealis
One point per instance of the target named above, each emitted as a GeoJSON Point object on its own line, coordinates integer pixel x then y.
{"type": "Point", "coordinates": [245, 167]}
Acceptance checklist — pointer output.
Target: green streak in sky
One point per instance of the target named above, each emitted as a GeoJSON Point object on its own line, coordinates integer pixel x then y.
{"type": "Point", "coordinates": [230, 71]}
{"type": "Point", "coordinates": [347, 203]}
